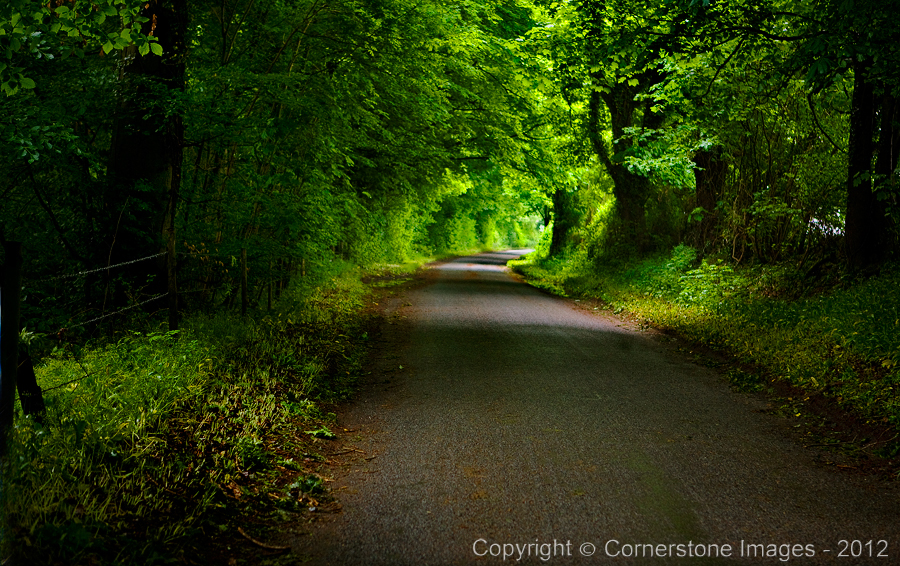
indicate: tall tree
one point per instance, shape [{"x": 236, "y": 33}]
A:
[
  {"x": 826, "y": 39},
  {"x": 623, "y": 67},
  {"x": 147, "y": 147}
]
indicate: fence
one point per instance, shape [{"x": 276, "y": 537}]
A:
[{"x": 17, "y": 373}]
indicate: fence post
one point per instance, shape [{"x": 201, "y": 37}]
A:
[
  {"x": 10, "y": 292},
  {"x": 243, "y": 281}
]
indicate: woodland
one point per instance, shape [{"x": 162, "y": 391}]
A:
[{"x": 205, "y": 192}]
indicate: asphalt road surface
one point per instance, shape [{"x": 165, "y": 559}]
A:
[{"x": 522, "y": 425}]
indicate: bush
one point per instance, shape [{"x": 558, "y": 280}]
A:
[{"x": 145, "y": 436}]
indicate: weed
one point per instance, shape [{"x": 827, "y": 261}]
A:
[
  {"x": 154, "y": 435},
  {"x": 321, "y": 432}
]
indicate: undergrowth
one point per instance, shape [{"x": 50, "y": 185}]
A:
[
  {"x": 149, "y": 438},
  {"x": 836, "y": 337}
]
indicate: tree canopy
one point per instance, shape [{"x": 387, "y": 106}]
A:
[{"x": 369, "y": 131}]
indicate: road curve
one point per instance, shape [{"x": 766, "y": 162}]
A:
[{"x": 518, "y": 421}]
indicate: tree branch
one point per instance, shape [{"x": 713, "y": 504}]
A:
[
  {"x": 812, "y": 108},
  {"x": 53, "y": 219},
  {"x": 594, "y": 131},
  {"x": 722, "y": 66}
]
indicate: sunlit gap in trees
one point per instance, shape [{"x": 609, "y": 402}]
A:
[{"x": 495, "y": 261}]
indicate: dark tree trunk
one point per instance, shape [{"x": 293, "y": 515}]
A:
[
  {"x": 709, "y": 177},
  {"x": 147, "y": 148},
  {"x": 864, "y": 225},
  {"x": 631, "y": 190},
  {"x": 886, "y": 181},
  {"x": 563, "y": 220},
  {"x": 546, "y": 215},
  {"x": 30, "y": 394}
]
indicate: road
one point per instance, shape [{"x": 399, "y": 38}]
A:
[{"x": 504, "y": 416}]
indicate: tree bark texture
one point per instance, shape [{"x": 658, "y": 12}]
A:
[
  {"x": 563, "y": 220},
  {"x": 631, "y": 190},
  {"x": 146, "y": 155}
]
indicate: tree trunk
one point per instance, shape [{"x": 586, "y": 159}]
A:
[
  {"x": 886, "y": 181},
  {"x": 864, "y": 225},
  {"x": 563, "y": 220},
  {"x": 709, "y": 177},
  {"x": 145, "y": 161},
  {"x": 30, "y": 393},
  {"x": 631, "y": 190}
]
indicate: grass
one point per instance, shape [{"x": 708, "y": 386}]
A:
[
  {"x": 826, "y": 336},
  {"x": 156, "y": 441}
]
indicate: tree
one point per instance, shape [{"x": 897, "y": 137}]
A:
[
  {"x": 622, "y": 66},
  {"x": 33, "y": 32},
  {"x": 827, "y": 39},
  {"x": 147, "y": 147}
]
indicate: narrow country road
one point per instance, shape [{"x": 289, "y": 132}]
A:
[{"x": 517, "y": 419}]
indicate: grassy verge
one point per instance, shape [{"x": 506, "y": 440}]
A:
[
  {"x": 826, "y": 337},
  {"x": 156, "y": 442}
]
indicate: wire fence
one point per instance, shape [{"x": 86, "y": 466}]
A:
[
  {"x": 186, "y": 254},
  {"x": 79, "y": 274},
  {"x": 128, "y": 308},
  {"x": 56, "y": 305},
  {"x": 99, "y": 269}
]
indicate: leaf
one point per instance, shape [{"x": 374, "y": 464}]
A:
[
  {"x": 28, "y": 83},
  {"x": 632, "y": 82},
  {"x": 156, "y": 49},
  {"x": 144, "y": 49},
  {"x": 321, "y": 432}
]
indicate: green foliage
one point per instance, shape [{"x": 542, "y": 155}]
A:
[
  {"x": 737, "y": 109},
  {"x": 707, "y": 286},
  {"x": 302, "y": 148},
  {"x": 34, "y": 33},
  {"x": 144, "y": 435},
  {"x": 323, "y": 137},
  {"x": 321, "y": 432}
]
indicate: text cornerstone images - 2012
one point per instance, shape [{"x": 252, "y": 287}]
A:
[{"x": 613, "y": 548}]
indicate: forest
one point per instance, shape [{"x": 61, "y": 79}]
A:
[{"x": 197, "y": 198}]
